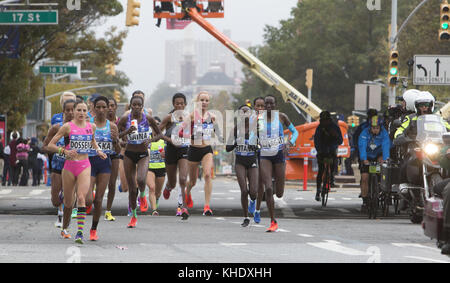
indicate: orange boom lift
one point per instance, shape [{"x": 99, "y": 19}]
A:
[{"x": 197, "y": 11}]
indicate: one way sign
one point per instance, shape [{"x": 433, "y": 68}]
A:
[{"x": 431, "y": 70}]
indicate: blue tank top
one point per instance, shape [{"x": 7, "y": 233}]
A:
[
  {"x": 144, "y": 131},
  {"x": 273, "y": 139},
  {"x": 103, "y": 139},
  {"x": 60, "y": 143}
]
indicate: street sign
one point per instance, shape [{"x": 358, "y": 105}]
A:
[
  {"x": 29, "y": 17},
  {"x": 431, "y": 70},
  {"x": 58, "y": 69},
  {"x": 367, "y": 96}
]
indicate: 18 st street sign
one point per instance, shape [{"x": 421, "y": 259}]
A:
[
  {"x": 431, "y": 70},
  {"x": 58, "y": 69},
  {"x": 29, "y": 17}
]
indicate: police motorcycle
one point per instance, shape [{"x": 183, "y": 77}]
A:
[
  {"x": 433, "y": 222},
  {"x": 426, "y": 147}
]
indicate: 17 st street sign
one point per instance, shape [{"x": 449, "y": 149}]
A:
[
  {"x": 431, "y": 70},
  {"x": 29, "y": 17}
]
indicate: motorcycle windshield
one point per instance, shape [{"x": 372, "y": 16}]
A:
[{"x": 430, "y": 128}]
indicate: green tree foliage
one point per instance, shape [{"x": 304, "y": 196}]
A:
[
  {"x": 20, "y": 87},
  {"x": 345, "y": 44}
]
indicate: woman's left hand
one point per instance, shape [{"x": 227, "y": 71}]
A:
[{"x": 101, "y": 154}]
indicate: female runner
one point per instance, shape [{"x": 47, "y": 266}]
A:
[
  {"x": 200, "y": 150},
  {"x": 246, "y": 165},
  {"x": 58, "y": 160},
  {"x": 107, "y": 138},
  {"x": 136, "y": 152},
  {"x": 115, "y": 160},
  {"x": 260, "y": 106},
  {"x": 273, "y": 150},
  {"x": 176, "y": 153},
  {"x": 79, "y": 139},
  {"x": 156, "y": 172}
]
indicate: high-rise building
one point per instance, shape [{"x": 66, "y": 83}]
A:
[{"x": 204, "y": 54}]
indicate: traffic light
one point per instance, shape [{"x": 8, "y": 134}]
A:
[
  {"x": 110, "y": 70},
  {"x": 393, "y": 76},
  {"x": 117, "y": 95},
  {"x": 133, "y": 13},
  {"x": 444, "y": 33},
  {"x": 309, "y": 78},
  {"x": 353, "y": 121}
]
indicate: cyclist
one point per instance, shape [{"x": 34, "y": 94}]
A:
[
  {"x": 374, "y": 145},
  {"x": 327, "y": 138}
]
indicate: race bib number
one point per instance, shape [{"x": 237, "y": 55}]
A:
[
  {"x": 139, "y": 138},
  {"x": 155, "y": 157}
]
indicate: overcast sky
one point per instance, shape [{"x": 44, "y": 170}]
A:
[{"x": 143, "y": 51}]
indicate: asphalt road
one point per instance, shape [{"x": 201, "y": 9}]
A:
[{"x": 308, "y": 232}]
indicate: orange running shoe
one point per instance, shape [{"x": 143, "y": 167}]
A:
[
  {"x": 207, "y": 211},
  {"x": 273, "y": 227},
  {"x": 93, "y": 235},
  {"x": 189, "y": 202},
  {"x": 65, "y": 234},
  {"x": 132, "y": 223},
  {"x": 144, "y": 204}
]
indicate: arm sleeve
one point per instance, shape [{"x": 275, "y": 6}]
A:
[
  {"x": 362, "y": 145},
  {"x": 402, "y": 128},
  {"x": 386, "y": 145},
  {"x": 294, "y": 133}
]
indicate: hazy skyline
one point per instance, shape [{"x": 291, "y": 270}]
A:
[{"x": 143, "y": 51}]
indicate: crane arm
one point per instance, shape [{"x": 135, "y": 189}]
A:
[{"x": 288, "y": 92}]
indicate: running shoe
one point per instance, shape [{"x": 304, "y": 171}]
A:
[
  {"x": 155, "y": 213},
  {"x": 93, "y": 235},
  {"x": 132, "y": 223},
  {"x": 58, "y": 223},
  {"x": 89, "y": 209},
  {"x": 79, "y": 238},
  {"x": 318, "y": 195},
  {"x": 189, "y": 201},
  {"x": 246, "y": 222},
  {"x": 144, "y": 204},
  {"x": 120, "y": 188},
  {"x": 109, "y": 217},
  {"x": 74, "y": 213},
  {"x": 273, "y": 227},
  {"x": 65, "y": 234},
  {"x": 207, "y": 211},
  {"x": 257, "y": 217},
  {"x": 130, "y": 213},
  {"x": 166, "y": 193},
  {"x": 179, "y": 211},
  {"x": 252, "y": 207},
  {"x": 184, "y": 214}
]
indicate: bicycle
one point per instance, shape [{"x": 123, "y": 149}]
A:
[
  {"x": 374, "y": 182},
  {"x": 326, "y": 181}
]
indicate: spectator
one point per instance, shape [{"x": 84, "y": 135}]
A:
[
  {"x": 1, "y": 153},
  {"x": 22, "y": 159},
  {"x": 33, "y": 161},
  {"x": 7, "y": 173},
  {"x": 12, "y": 158},
  {"x": 41, "y": 160}
]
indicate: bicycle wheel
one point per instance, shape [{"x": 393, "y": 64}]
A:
[
  {"x": 387, "y": 197},
  {"x": 374, "y": 191}
]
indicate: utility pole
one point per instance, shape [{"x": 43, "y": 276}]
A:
[{"x": 393, "y": 46}]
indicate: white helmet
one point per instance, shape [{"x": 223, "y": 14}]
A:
[
  {"x": 424, "y": 97},
  {"x": 409, "y": 97}
]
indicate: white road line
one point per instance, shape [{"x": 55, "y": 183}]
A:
[
  {"x": 428, "y": 259},
  {"x": 218, "y": 193},
  {"x": 335, "y": 246},
  {"x": 220, "y": 218},
  {"x": 5, "y": 192},
  {"x": 331, "y": 198},
  {"x": 299, "y": 198},
  {"x": 305, "y": 235},
  {"x": 258, "y": 226},
  {"x": 234, "y": 191},
  {"x": 404, "y": 245},
  {"x": 343, "y": 210},
  {"x": 232, "y": 244},
  {"x": 283, "y": 230},
  {"x": 36, "y": 192},
  {"x": 230, "y": 198},
  {"x": 347, "y": 198}
]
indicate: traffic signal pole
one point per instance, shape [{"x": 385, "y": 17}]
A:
[{"x": 393, "y": 46}]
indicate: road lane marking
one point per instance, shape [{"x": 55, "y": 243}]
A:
[
  {"x": 305, "y": 235},
  {"x": 36, "y": 192},
  {"x": 347, "y": 198},
  {"x": 404, "y": 245},
  {"x": 232, "y": 244},
  {"x": 344, "y": 210},
  {"x": 335, "y": 246},
  {"x": 427, "y": 259},
  {"x": 5, "y": 192},
  {"x": 234, "y": 191}
]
